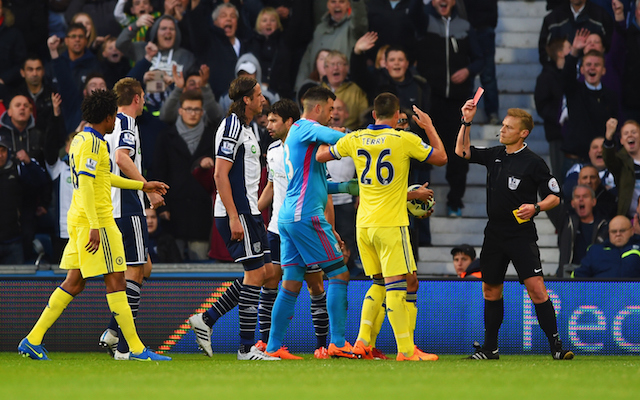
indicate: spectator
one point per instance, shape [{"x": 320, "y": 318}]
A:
[
  {"x": 549, "y": 97},
  {"x": 94, "y": 42},
  {"x": 75, "y": 59},
  {"x": 339, "y": 30},
  {"x": 178, "y": 149},
  {"x": 33, "y": 87},
  {"x": 248, "y": 65},
  {"x": 137, "y": 16},
  {"x": 162, "y": 246},
  {"x": 483, "y": 17},
  {"x": 101, "y": 11},
  {"x": 30, "y": 18},
  {"x": 12, "y": 52},
  {"x": 165, "y": 38},
  {"x": 465, "y": 262},
  {"x": 448, "y": 56},
  {"x": 217, "y": 45},
  {"x": 624, "y": 164},
  {"x": 607, "y": 202},
  {"x": 617, "y": 257},
  {"x": 18, "y": 180},
  {"x": 113, "y": 63},
  {"x": 595, "y": 160},
  {"x": 316, "y": 76},
  {"x": 337, "y": 68},
  {"x": 630, "y": 76},
  {"x": 18, "y": 129},
  {"x": 269, "y": 46},
  {"x": 395, "y": 77},
  {"x": 581, "y": 228},
  {"x": 391, "y": 20},
  {"x": 567, "y": 19},
  {"x": 589, "y": 104},
  {"x": 197, "y": 80}
]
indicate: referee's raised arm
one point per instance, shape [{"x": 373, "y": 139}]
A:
[{"x": 463, "y": 141}]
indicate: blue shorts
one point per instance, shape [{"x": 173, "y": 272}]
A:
[
  {"x": 274, "y": 242},
  {"x": 308, "y": 242},
  {"x": 253, "y": 251},
  {"x": 135, "y": 238}
]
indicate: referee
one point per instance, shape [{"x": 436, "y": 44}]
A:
[{"x": 514, "y": 177}]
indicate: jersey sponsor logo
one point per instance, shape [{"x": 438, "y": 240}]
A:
[
  {"x": 91, "y": 164},
  {"x": 128, "y": 138},
  {"x": 553, "y": 185},
  {"x": 226, "y": 147},
  {"x": 253, "y": 148},
  {"x": 514, "y": 182}
]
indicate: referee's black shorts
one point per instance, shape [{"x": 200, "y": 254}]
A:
[{"x": 498, "y": 249}]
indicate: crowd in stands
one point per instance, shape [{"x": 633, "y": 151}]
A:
[{"x": 427, "y": 52}]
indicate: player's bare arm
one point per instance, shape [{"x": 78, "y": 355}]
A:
[
  {"x": 323, "y": 154},
  {"x": 126, "y": 165},
  {"x": 266, "y": 197},
  {"x": 439, "y": 155}
]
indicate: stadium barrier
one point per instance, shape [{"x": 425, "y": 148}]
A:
[{"x": 594, "y": 317}]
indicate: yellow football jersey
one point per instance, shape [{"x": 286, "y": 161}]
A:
[
  {"x": 89, "y": 155},
  {"x": 382, "y": 157}
]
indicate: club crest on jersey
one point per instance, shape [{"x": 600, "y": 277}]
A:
[
  {"x": 253, "y": 148},
  {"x": 128, "y": 138},
  {"x": 91, "y": 164},
  {"x": 553, "y": 185},
  {"x": 514, "y": 182},
  {"x": 226, "y": 147},
  {"x": 257, "y": 247},
  {"x": 119, "y": 260}
]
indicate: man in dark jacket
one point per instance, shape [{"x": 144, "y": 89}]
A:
[
  {"x": 34, "y": 88},
  {"x": 18, "y": 180},
  {"x": 216, "y": 45},
  {"x": 618, "y": 257},
  {"x": 580, "y": 229},
  {"x": 179, "y": 149},
  {"x": 566, "y": 19},
  {"x": 448, "y": 56},
  {"x": 12, "y": 52},
  {"x": 18, "y": 128}
]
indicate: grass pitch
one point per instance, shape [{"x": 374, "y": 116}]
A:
[{"x": 96, "y": 376}]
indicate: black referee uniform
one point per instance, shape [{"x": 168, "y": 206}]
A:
[{"x": 512, "y": 180}]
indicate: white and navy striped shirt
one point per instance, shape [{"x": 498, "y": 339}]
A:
[
  {"x": 238, "y": 144},
  {"x": 277, "y": 175},
  {"x": 125, "y": 136}
]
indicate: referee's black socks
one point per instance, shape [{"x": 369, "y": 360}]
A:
[
  {"x": 547, "y": 320},
  {"x": 493, "y": 316}
]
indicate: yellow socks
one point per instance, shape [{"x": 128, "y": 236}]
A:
[
  {"x": 371, "y": 307},
  {"x": 399, "y": 316},
  {"x": 122, "y": 312},
  {"x": 57, "y": 303},
  {"x": 412, "y": 306}
]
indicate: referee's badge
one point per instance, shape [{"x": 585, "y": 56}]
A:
[
  {"x": 554, "y": 186},
  {"x": 514, "y": 182}
]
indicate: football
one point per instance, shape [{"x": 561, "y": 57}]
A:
[{"x": 418, "y": 208}]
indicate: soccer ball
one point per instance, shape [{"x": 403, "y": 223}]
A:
[{"x": 419, "y": 208}]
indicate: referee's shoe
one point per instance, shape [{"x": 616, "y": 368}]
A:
[
  {"x": 483, "y": 354},
  {"x": 558, "y": 353}
]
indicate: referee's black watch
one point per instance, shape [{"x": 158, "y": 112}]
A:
[
  {"x": 465, "y": 123},
  {"x": 537, "y": 208}
]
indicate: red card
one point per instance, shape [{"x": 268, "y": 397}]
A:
[{"x": 477, "y": 96}]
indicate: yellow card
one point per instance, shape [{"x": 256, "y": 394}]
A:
[{"x": 520, "y": 220}]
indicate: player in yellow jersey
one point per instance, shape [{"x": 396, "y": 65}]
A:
[
  {"x": 95, "y": 243},
  {"x": 382, "y": 157}
]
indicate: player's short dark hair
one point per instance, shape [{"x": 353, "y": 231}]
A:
[
  {"x": 594, "y": 53},
  {"x": 526, "y": 120},
  {"x": 554, "y": 46},
  {"x": 385, "y": 105},
  {"x": 316, "y": 95},
  {"x": 395, "y": 48},
  {"x": 75, "y": 26},
  {"x": 31, "y": 57},
  {"x": 99, "y": 105},
  {"x": 286, "y": 108},
  {"x": 126, "y": 89},
  {"x": 194, "y": 95}
]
